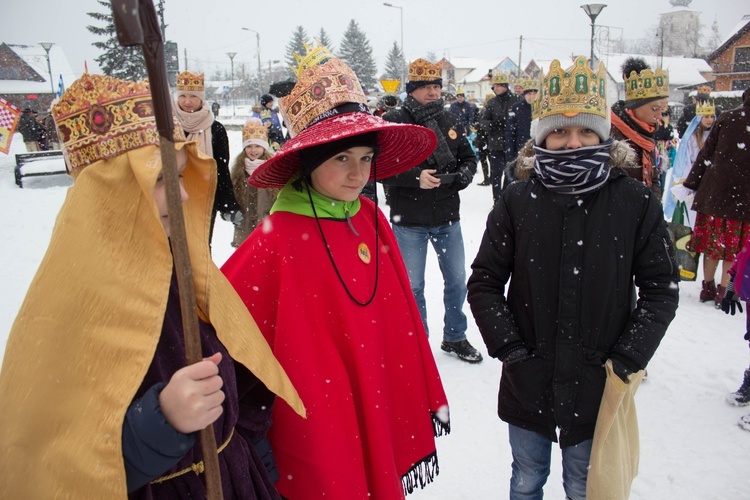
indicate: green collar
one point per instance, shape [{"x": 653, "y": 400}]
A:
[{"x": 291, "y": 200}]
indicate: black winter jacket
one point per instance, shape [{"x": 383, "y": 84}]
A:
[
  {"x": 517, "y": 129},
  {"x": 224, "y": 201},
  {"x": 413, "y": 206},
  {"x": 572, "y": 262},
  {"x": 494, "y": 118}
]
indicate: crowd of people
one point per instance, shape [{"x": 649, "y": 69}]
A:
[{"x": 322, "y": 302}]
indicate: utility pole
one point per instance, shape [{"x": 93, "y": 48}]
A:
[
  {"x": 520, "y": 45},
  {"x": 186, "y": 62}
]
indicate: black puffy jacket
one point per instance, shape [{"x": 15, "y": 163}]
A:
[
  {"x": 572, "y": 262},
  {"x": 413, "y": 206}
]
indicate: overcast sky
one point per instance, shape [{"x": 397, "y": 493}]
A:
[{"x": 208, "y": 29}]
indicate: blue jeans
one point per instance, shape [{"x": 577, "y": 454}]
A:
[
  {"x": 531, "y": 465},
  {"x": 449, "y": 247}
]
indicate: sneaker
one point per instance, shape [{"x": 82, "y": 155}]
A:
[
  {"x": 738, "y": 398},
  {"x": 463, "y": 349},
  {"x": 744, "y": 422}
]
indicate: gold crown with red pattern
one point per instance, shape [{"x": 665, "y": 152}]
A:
[
  {"x": 192, "y": 82},
  {"x": 100, "y": 117},
  {"x": 323, "y": 82},
  {"x": 422, "y": 70},
  {"x": 578, "y": 89},
  {"x": 647, "y": 84},
  {"x": 254, "y": 129}
]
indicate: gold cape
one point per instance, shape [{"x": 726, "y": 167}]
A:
[{"x": 88, "y": 328}]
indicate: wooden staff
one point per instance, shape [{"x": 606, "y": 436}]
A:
[{"x": 136, "y": 24}]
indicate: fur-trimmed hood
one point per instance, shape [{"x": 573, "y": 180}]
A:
[{"x": 621, "y": 156}]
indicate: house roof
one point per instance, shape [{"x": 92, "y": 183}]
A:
[
  {"x": 36, "y": 58},
  {"x": 682, "y": 70},
  {"x": 742, "y": 27}
]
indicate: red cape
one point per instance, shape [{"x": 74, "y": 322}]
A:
[{"x": 366, "y": 374}]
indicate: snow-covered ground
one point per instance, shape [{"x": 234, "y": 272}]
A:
[{"x": 691, "y": 447}]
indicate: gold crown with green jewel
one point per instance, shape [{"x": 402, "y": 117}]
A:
[
  {"x": 323, "y": 82},
  {"x": 578, "y": 89},
  {"x": 647, "y": 84}
]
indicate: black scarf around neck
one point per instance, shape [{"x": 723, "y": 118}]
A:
[
  {"x": 427, "y": 115},
  {"x": 573, "y": 171}
]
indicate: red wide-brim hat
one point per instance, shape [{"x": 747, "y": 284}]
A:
[{"x": 402, "y": 146}]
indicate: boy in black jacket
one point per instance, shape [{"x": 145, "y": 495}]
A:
[{"x": 572, "y": 238}]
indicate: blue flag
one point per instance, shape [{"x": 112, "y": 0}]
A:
[{"x": 60, "y": 87}]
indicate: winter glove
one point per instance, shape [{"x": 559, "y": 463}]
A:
[
  {"x": 463, "y": 179},
  {"x": 234, "y": 217},
  {"x": 731, "y": 301},
  {"x": 620, "y": 369},
  {"x": 515, "y": 355}
]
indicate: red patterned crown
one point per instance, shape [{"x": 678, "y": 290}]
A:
[
  {"x": 422, "y": 70},
  {"x": 254, "y": 129},
  {"x": 100, "y": 117},
  {"x": 323, "y": 82},
  {"x": 192, "y": 82}
]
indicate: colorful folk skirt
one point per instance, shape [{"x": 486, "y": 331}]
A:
[{"x": 717, "y": 238}]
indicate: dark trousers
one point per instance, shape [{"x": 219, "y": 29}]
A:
[{"x": 497, "y": 168}]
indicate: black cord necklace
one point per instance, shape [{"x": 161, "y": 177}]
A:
[{"x": 330, "y": 255}]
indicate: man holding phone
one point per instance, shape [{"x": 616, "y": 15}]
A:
[{"x": 425, "y": 203}]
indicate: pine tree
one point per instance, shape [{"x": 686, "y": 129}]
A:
[
  {"x": 325, "y": 40},
  {"x": 357, "y": 53},
  {"x": 296, "y": 46},
  {"x": 125, "y": 63},
  {"x": 395, "y": 65}
]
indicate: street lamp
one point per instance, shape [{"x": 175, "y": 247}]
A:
[
  {"x": 231, "y": 59},
  {"x": 47, "y": 46},
  {"x": 260, "y": 77},
  {"x": 403, "y": 54},
  {"x": 593, "y": 10}
]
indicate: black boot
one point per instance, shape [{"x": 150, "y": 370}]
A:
[{"x": 742, "y": 396}]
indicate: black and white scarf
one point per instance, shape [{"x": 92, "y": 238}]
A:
[
  {"x": 427, "y": 115},
  {"x": 573, "y": 171}
]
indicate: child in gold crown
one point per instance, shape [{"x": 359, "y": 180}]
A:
[
  {"x": 96, "y": 400},
  {"x": 572, "y": 235},
  {"x": 255, "y": 203},
  {"x": 324, "y": 279}
]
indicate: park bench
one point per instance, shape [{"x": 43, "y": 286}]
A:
[{"x": 39, "y": 163}]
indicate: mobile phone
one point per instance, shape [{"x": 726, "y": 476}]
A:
[{"x": 446, "y": 179}]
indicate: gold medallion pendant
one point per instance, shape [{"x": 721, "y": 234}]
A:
[
  {"x": 452, "y": 134},
  {"x": 364, "y": 253}
]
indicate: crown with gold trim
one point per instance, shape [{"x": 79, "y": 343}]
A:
[
  {"x": 529, "y": 83},
  {"x": 192, "y": 82},
  {"x": 323, "y": 82},
  {"x": 705, "y": 108},
  {"x": 100, "y": 117},
  {"x": 704, "y": 89},
  {"x": 422, "y": 70},
  {"x": 254, "y": 129},
  {"x": 577, "y": 89},
  {"x": 647, "y": 84},
  {"x": 500, "y": 78}
]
